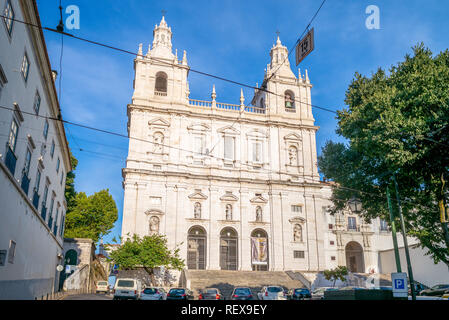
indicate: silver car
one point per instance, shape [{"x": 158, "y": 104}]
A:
[
  {"x": 272, "y": 293},
  {"x": 153, "y": 293}
]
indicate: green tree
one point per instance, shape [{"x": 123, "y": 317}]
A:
[
  {"x": 339, "y": 273},
  {"x": 149, "y": 252},
  {"x": 70, "y": 193},
  {"x": 91, "y": 217},
  {"x": 397, "y": 123}
]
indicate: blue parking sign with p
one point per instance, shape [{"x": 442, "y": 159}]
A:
[{"x": 399, "y": 284}]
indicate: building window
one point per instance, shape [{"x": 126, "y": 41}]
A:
[
  {"x": 46, "y": 126},
  {"x": 229, "y": 147},
  {"x": 25, "y": 70},
  {"x": 37, "y": 103},
  {"x": 38, "y": 181},
  {"x": 11, "y": 251},
  {"x": 161, "y": 84},
  {"x": 3, "y": 80},
  {"x": 257, "y": 151},
  {"x": 9, "y": 16},
  {"x": 352, "y": 223},
  {"x": 331, "y": 226},
  {"x": 26, "y": 168},
  {"x": 62, "y": 224},
  {"x": 333, "y": 258},
  {"x": 332, "y": 243},
  {"x": 52, "y": 150},
  {"x": 296, "y": 209},
  {"x": 383, "y": 225},
  {"x": 198, "y": 145},
  {"x": 62, "y": 178},
  {"x": 298, "y": 254},
  {"x": 58, "y": 164},
  {"x": 156, "y": 201},
  {"x": 13, "y": 134}
]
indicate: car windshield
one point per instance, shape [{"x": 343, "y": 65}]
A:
[
  {"x": 176, "y": 291},
  {"x": 102, "y": 283},
  {"x": 125, "y": 283},
  {"x": 211, "y": 291},
  {"x": 242, "y": 291},
  {"x": 150, "y": 291},
  {"x": 441, "y": 286},
  {"x": 274, "y": 289},
  {"x": 302, "y": 291}
]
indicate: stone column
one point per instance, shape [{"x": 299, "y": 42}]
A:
[
  {"x": 213, "y": 239},
  {"x": 129, "y": 208},
  {"x": 309, "y": 208},
  {"x": 245, "y": 232}
]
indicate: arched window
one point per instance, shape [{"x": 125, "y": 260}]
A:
[
  {"x": 289, "y": 100},
  {"x": 196, "y": 248},
  {"x": 161, "y": 82}
]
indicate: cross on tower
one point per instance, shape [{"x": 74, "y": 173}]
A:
[
  {"x": 278, "y": 33},
  {"x": 163, "y": 12}
]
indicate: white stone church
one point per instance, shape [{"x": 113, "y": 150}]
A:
[{"x": 235, "y": 186}]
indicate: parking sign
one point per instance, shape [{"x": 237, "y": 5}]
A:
[{"x": 400, "y": 284}]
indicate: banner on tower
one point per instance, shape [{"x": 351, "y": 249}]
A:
[{"x": 305, "y": 46}]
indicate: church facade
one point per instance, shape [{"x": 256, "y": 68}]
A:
[{"x": 235, "y": 186}]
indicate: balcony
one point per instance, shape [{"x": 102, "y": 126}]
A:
[
  {"x": 44, "y": 211},
  {"x": 225, "y": 106},
  {"x": 10, "y": 160},
  {"x": 353, "y": 228},
  {"x": 160, "y": 93},
  {"x": 25, "y": 183},
  {"x": 35, "y": 199}
]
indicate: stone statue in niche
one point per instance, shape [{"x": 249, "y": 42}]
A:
[
  {"x": 259, "y": 214},
  {"x": 154, "y": 225},
  {"x": 197, "y": 211},
  {"x": 158, "y": 141},
  {"x": 293, "y": 156},
  {"x": 228, "y": 212},
  {"x": 297, "y": 233}
]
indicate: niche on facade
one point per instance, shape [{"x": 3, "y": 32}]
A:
[
  {"x": 228, "y": 200},
  {"x": 293, "y": 153},
  {"x": 158, "y": 137},
  {"x": 297, "y": 227},
  {"x": 258, "y": 203},
  {"x": 197, "y": 198}
]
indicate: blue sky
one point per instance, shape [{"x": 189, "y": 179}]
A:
[{"x": 231, "y": 39}]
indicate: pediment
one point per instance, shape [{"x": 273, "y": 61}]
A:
[
  {"x": 258, "y": 199},
  {"x": 257, "y": 133},
  {"x": 297, "y": 219},
  {"x": 159, "y": 122},
  {"x": 199, "y": 127},
  {"x": 229, "y": 197},
  {"x": 293, "y": 136},
  {"x": 198, "y": 196},
  {"x": 151, "y": 212},
  {"x": 229, "y": 130}
]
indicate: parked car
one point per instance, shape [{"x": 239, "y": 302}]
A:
[
  {"x": 180, "y": 294},
  {"x": 418, "y": 288},
  {"x": 446, "y": 294},
  {"x": 242, "y": 293},
  {"x": 210, "y": 294},
  {"x": 437, "y": 290},
  {"x": 127, "y": 289},
  {"x": 153, "y": 293},
  {"x": 102, "y": 287},
  {"x": 318, "y": 293},
  {"x": 272, "y": 293},
  {"x": 299, "y": 294}
]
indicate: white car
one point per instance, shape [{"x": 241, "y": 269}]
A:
[
  {"x": 127, "y": 289},
  {"x": 102, "y": 286},
  {"x": 153, "y": 293},
  {"x": 272, "y": 293}
]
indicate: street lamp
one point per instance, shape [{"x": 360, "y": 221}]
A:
[{"x": 355, "y": 205}]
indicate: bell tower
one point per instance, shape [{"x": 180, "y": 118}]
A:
[
  {"x": 159, "y": 76},
  {"x": 292, "y": 97}
]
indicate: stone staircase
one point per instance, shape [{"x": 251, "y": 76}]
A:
[{"x": 225, "y": 280}]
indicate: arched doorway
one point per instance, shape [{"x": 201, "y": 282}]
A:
[
  {"x": 259, "y": 250},
  {"x": 354, "y": 257},
  {"x": 71, "y": 258},
  {"x": 228, "y": 249},
  {"x": 196, "y": 248}
]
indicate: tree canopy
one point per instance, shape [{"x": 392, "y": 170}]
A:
[
  {"x": 148, "y": 252},
  {"x": 397, "y": 123},
  {"x": 339, "y": 273}
]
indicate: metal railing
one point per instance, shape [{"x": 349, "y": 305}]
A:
[
  {"x": 160, "y": 93},
  {"x": 225, "y": 106}
]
